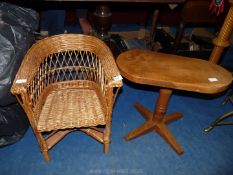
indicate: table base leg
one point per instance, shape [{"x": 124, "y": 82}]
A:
[{"x": 157, "y": 121}]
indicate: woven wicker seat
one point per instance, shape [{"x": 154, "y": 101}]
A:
[
  {"x": 82, "y": 109},
  {"x": 66, "y": 83}
]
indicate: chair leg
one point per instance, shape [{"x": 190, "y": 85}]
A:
[
  {"x": 46, "y": 155},
  {"x": 106, "y": 147},
  {"x": 107, "y": 138},
  {"x": 43, "y": 145}
]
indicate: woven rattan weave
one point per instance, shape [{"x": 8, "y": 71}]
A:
[{"x": 67, "y": 82}]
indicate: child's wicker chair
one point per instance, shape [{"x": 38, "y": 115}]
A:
[{"x": 66, "y": 82}]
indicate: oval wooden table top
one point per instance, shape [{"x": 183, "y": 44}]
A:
[{"x": 172, "y": 71}]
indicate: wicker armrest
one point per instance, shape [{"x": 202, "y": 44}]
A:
[
  {"x": 24, "y": 75},
  {"x": 116, "y": 81},
  {"x": 112, "y": 72},
  {"x": 27, "y": 70},
  {"x": 21, "y": 81},
  {"x": 19, "y": 86}
]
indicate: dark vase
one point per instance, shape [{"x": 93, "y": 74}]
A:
[{"x": 102, "y": 21}]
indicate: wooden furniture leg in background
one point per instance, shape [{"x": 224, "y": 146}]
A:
[
  {"x": 157, "y": 121},
  {"x": 153, "y": 29},
  {"x": 223, "y": 39}
]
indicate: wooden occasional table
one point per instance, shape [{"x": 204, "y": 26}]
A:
[{"x": 169, "y": 72}]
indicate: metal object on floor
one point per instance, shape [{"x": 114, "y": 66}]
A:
[
  {"x": 218, "y": 121},
  {"x": 221, "y": 118}
]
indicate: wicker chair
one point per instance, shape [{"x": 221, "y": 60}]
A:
[{"x": 68, "y": 82}]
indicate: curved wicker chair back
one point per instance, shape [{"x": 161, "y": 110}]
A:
[{"x": 66, "y": 82}]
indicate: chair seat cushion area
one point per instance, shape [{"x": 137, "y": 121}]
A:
[{"x": 71, "y": 108}]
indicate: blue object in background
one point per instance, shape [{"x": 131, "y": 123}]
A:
[{"x": 53, "y": 21}]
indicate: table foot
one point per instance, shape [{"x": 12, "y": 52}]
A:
[
  {"x": 164, "y": 132},
  {"x": 159, "y": 128},
  {"x": 172, "y": 117},
  {"x": 141, "y": 130},
  {"x": 156, "y": 124},
  {"x": 147, "y": 114}
]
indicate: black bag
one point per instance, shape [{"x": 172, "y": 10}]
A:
[
  {"x": 17, "y": 26},
  {"x": 13, "y": 124}
]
